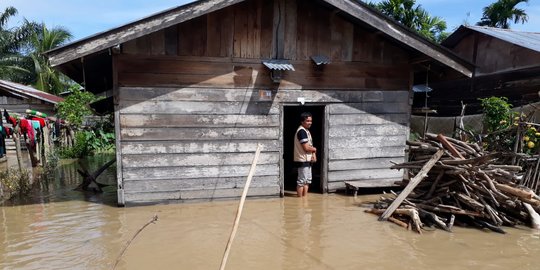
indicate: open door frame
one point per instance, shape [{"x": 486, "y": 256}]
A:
[{"x": 324, "y": 141}]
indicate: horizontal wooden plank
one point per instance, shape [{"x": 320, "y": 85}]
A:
[
  {"x": 216, "y": 65},
  {"x": 172, "y": 120},
  {"x": 185, "y": 94},
  {"x": 368, "y": 130},
  {"x": 188, "y": 107},
  {"x": 367, "y": 163},
  {"x": 340, "y": 96},
  {"x": 179, "y": 147},
  {"x": 198, "y": 172},
  {"x": 367, "y": 141},
  {"x": 368, "y": 152},
  {"x": 366, "y": 174},
  {"x": 385, "y": 96},
  {"x": 155, "y": 197},
  {"x": 213, "y": 159},
  {"x": 244, "y": 94},
  {"x": 290, "y": 80},
  {"x": 373, "y": 108},
  {"x": 172, "y": 134},
  {"x": 368, "y": 119},
  {"x": 371, "y": 183},
  {"x": 157, "y": 185}
]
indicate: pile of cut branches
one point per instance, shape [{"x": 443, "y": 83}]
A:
[{"x": 454, "y": 182}]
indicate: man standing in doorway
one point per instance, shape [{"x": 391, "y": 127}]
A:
[{"x": 304, "y": 154}]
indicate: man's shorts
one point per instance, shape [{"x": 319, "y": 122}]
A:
[{"x": 304, "y": 176}]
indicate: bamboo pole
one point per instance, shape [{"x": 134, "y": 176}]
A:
[{"x": 240, "y": 208}]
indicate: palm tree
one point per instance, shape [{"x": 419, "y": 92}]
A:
[
  {"x": 46, "y": 78},
  {"x": 416, "y": 18},
  {"x": 501, "y": 12},
  {"x": 13, "y": 64}
]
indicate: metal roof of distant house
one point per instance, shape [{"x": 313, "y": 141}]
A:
[
  {"x": 162, "y": 20},
  {"x": 529, "y": 40},
  {"x": 26, "y": 91}
]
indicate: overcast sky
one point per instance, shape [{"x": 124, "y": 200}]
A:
[{"x": 87, "y": 17}]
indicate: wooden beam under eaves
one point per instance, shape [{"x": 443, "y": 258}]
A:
[{"x": 135, "y": 30}]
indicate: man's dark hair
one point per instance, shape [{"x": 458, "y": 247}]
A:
[{"x": 305, "y": 116}]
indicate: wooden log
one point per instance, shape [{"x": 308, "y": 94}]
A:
[
  {"x": 472, "y": 161},
  {"x": 434, "y": 185},
  {"x": 391, "y": 219},
  {"x": 415, "y": 217},
  {"x": 466, "y": 199},
  {"x": 449, "y": 209},
  {"x": 441, "y": 138},
  {"x": 412, "y": 184},
  {"x": 513, "y": 168},
  {"x": 535, "y": 218},
  {"x": 523, "y": 194},
  {"x": 399, "y": 222},
  {"x": 450, "y": 224},
  {"x": 434, "y": 219},
  {"x": 492, "y": 214}
]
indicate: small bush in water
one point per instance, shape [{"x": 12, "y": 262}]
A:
[{"x": 15, "y": 181}]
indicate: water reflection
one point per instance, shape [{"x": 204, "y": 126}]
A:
[{"x": 65, "y": 229}]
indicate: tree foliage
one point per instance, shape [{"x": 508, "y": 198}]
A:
[
  {"x": 414, "y": 17},
  {"x": 21, "y": 53},
  {"x": 74, "y": 108},
  {"x": 502, "y": 12},
  {"x": 46, "y": 78},
  {"x": 14, "y": 64}
]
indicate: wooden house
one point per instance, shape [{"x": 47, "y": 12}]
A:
[
  {"x": 507, "y": 65},
  {"x": 18, "y": 98},
  {"x": 197, "y": 87}
]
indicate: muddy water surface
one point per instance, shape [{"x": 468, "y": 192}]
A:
[{"x": 65, "y": 229}]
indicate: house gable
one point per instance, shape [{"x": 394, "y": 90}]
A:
[
  {"x": 495, "y": 50},
  {"x": 166, "y": 19}
]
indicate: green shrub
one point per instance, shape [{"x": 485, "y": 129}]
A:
[
  {"x": 15, "y": 181},
  {"x": 78, "y": 150},
  {"x": 497, "y": 113}
]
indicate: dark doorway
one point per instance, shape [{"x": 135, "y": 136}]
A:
[{"x": 291, "y": 121}]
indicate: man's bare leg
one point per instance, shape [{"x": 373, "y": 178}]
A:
[
  {"x": 300, "y": 191},
  {"x": 305, "y": 192}
]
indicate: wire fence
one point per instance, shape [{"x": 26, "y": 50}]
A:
[{"x": 449, "y": 125}]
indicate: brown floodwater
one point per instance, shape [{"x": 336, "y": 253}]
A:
[{"x": 64, "y": 229}]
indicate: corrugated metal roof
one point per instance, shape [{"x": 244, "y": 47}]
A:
[
  {"x": 321, "y": 59},
  {"x": 24, "y": 90},
  {"x": 530, "y": 40},
  {"x": 278, "y": 64}
]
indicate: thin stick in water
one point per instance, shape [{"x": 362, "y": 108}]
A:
[{"x": 153, "y": 220}]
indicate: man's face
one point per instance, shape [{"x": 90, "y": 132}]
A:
[{"x": 307, "y": 123}]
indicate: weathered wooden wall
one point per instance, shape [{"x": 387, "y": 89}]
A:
[
  {"x": 248, "y": 30},
  {"x": 495, "y": 55},
  {"x": 503, "y": 70},
  {"x": 186, "y": 143},
  {"x": 192, "y": 101}
]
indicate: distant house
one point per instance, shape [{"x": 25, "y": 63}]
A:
[
  {"x": 507, "y": 64},
  {"x": 18, "y": 98},
  {"x": 197, "y": 87}
]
